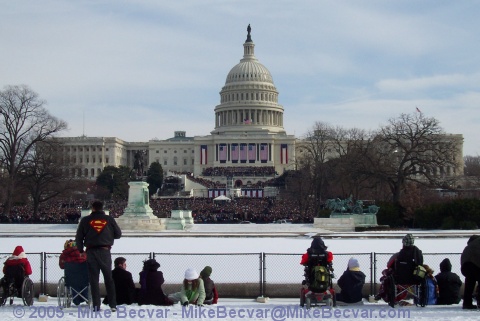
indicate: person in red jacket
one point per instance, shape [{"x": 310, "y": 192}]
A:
[
  {"x": 71, "y": 253},
  {"x": 317, "y": 245},
  {"x": 18, "y": 258}
]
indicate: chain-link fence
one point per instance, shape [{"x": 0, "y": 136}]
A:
[{"x": 235, "y": 274}]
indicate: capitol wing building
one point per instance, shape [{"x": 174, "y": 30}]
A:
[{"x": 247, "y": 146}]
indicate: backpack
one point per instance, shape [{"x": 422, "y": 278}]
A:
[
  {"x": 405, "y": 266},
  {"x": 320, "y": 279}
]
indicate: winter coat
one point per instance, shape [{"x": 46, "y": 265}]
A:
[
  {"x": 151, "y": 292},
  {"x": 97, "y": 230},
  {"x": 192, "y": 296},
  {"x": 316, "y": 245},
  {"x": 18, "y": 258},
  {"x": 124, "y": 286},
  {"x": 210, "y": 290},
  {"x": 448, "y": 283},
  {"x": 351, "y": 282},
  {"x": 71, "y": 254},
  {"x": 471, "y": 253}
]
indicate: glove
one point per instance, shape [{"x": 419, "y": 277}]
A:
[
  {"x": 199, "y": 305},
  {"x": 185, "y": 303}
]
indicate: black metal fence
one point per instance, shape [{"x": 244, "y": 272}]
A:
[{"x": 235, "y": 274}]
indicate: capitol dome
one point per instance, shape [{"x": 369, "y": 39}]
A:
[{"x": 249, "y": 99}]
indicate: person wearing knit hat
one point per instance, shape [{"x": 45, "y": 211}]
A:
[
  {"x": 192, "y": 291},
  {"x": 351, "y": 283},
  {"x": 408, "y": 240},
  {"x": 71, "y": 253},
  {"x": 18, "y": 257},
  {"x": 449, "y": 284},
  {"x": 211, "y": 294}
]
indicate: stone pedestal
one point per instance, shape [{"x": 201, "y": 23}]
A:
[
  {"x": 138, "y": 214},
  {"x": 345, "y": 224},
  {"x": 179, "y": 219},
  {"x": 363, "y": 220}
]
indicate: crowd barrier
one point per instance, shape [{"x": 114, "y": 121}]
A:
[{"x": 239, "y": 275}]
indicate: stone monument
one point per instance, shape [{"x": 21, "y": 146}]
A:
[
  {"x": 363, "y": 214},
  {"x": 138, "y": 214},
  {"x": 181, "y": 216}
]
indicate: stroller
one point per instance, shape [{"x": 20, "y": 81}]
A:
[
  {"x": 74, "y": 286},
  {"x": 317, "y": 288}
]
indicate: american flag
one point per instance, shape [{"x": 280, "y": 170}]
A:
[
  {"x": 234, "y": 153},
  {"x": 223, "y": 153},
  {"x": 243, "y": 152},
  {"x": 203, "y": 154},
  {"x": 251, "y": 153},
  {"x": 263, "y": 152},
  {"x": 247, "y": 121}
]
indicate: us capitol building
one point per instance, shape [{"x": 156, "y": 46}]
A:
[
  {"x": 248, "y": 133},
  {"x": 248, "y": 144}
]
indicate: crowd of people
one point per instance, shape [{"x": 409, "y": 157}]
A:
[{"x": 204, "y": 210}]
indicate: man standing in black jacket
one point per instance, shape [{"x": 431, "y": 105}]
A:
[{"x": 97, "y": 233}]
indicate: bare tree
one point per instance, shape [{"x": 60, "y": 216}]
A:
[
  {"x": 412, "y": 148},
  {"x": 24, "y": 122},
  {"x": 316, "y": 149},
  {"x": 44, "y": 174}
]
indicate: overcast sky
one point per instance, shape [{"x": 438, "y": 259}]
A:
[{"x": 142, "y": 69}]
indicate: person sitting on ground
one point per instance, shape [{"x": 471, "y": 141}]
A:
[
  {"x": 192, "y": 291},
  {"x": 351, "y": 283},
  {"x": 124, "y": 285},
  {"x": 449, "y": 284},
  {"x": 18, "y": 258},
  {"x": 70, "y": 253},
  {"x": 470, "y": 260},
  {"x": 211, "y": 294},
  {"x": 151, "y": 281}
]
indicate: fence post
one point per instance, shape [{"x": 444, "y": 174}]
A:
[
  {"x": 374, "y": 273},
  {"x": 262, "y": 274},
  {"x": 42, "y": 272}
]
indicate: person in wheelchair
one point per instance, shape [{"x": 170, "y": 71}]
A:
[
  {"x": 318, "y": 270},
  {"x": 71, "y": 253},
  {"x": 399, "y": 279},
  {"x": 74, "y": 265},
  {"x": 16, "y": 267},
  {"x": 16, "y": 282}
]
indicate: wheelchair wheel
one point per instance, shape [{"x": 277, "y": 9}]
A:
[
  {"x": 27, "y": 291},
  {"x": 308, "y": 303},
  {"x": 391, "y": 291},
  {"x": 62, "y": 296},
  {"x": 4, "y": 294}
]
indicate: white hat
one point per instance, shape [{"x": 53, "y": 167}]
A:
[{"x": 191, "y": 274}]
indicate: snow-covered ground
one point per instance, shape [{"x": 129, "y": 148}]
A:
[{"x": 284, "y": 240}]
